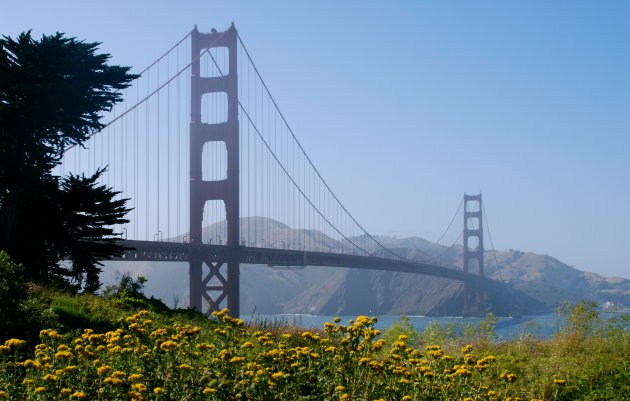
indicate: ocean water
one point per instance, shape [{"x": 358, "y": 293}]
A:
[{"x": 541, "y": 326}]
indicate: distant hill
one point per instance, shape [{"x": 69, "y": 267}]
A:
[
  {"x": 537, "y": 282},
  {"x": 553, "y": 282}
]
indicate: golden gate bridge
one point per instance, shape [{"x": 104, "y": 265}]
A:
[{"x": 201, "y": 148}]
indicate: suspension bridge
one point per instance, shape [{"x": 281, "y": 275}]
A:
[{"x": 200, "y": 148}]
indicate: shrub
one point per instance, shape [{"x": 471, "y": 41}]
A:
[
  {"x": 402, "y": 327},
  {"x": 22, "y": 314},
  {"x": 12, "y": 294},
  {"x": 128, "y": 293}
]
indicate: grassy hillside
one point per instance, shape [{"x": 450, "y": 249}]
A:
[{"x": 113, "y": 348}]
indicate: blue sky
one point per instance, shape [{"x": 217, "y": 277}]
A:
[{"x": 404, "y": 106}]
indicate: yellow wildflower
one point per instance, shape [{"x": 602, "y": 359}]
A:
[
  {"x": 278, "y": 375},
  {"x": 167, "y": 345},
  {"x": 205, "y": 346},
  {"x": 29, "y": 363},
  {"x": 462, "y": 372},
  {"x": 14, "y": 342},
  {"x": 49, "y": 377},
  {"x": 135, "y": 377},
  {"x": 63, "y": 355},
  {"x": 139, "y": 387},
  {"x": 51, "y": 334},
  {"x": 158, "y": 332},
  {"x": 113, "y": 380},
  {"x": 78, "y": 394},
  {"x": 378, "y": 345},
  {"x": 103, "y": 369},
  {"x": 118, "y": 374}
]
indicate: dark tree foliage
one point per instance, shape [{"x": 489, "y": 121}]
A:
[
  {"x": 89, "y": 210},
  {"x": 52, "y": 93}
]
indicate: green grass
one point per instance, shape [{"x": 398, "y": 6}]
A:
[{"x": 589, "y": 358}]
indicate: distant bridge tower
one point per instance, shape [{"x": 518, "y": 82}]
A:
[
  {"x": 227, "y": 189},
  {"x": 474, "y": 300}
]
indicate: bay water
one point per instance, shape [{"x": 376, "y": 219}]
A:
[{"x": 540, "y": 326}]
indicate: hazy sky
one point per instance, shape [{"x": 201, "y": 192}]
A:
[{"x": 404, "y": 106}]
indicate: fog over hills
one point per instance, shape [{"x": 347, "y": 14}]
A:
[{"x": 537, "y": 282}]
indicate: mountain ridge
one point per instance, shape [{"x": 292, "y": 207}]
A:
[{"x": 539, "y": 283}]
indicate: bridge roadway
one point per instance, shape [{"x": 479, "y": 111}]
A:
[{"x": 183, "y": 252}]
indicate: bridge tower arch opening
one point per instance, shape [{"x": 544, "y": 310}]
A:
[
  {"x": 474, "y": 298},
  {"x": 216, "y": 285}
]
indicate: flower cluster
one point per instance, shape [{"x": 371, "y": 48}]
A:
[{"x": 226, "y": 359}]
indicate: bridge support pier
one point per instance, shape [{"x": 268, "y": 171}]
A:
[
  {"x": 474, "y": 299},
  {"x": 227, "y": 189},
  {"x": 195, "y": 269},
  {"x": 216, "y": 286},
  {"x": 233, "y": 289}
]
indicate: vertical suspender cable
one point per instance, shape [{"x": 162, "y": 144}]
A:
[
  {"x": 157, "y": 161},
  {"x": 178, "y": 141},
  {"x": 135, "y": 171},
  {"x": 146, "y": 172},
  {"x": 125, "y": 140},
  {"x": 168, "y": 148},
  {"x": 251, "y": 234},
  {"x": 240, "y": 159}
]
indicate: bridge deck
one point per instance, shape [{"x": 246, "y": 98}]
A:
[{"x": 183, "y": 252}]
